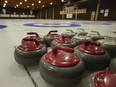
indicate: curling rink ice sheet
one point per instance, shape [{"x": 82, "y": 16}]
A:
[{"x": 15, "y": 75}]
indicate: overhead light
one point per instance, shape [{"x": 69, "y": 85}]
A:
[
  {"x": 25, "y": 0},
  {"x": 17, "y": 5},
  {"x": 6, "y": 1},
  {"x": 32, "y": 4},
  {"x": 62, "y": 0},
  {"x": 51, "y": 3},
  {"x": 20, "y": 3},
  {"x": 42, "y": 5},
  {"x": 39, "y": 1},
  {"x": 5, "y": 4}
]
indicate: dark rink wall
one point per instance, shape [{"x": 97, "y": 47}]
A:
[
  {"x": 17, "y": 13},
  {"x": 106, "y": 11},
  {"x": 52, "y": 12}
]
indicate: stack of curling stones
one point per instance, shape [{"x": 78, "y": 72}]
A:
[{"x": 68, "y": 61}]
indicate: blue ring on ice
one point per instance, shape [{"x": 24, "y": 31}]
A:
[
  {"x": 106, "y": 23},
  {"x": 98, "y": 23},
  {"x": 56, "y": 25},
  {"x": 2, "y": 26}
]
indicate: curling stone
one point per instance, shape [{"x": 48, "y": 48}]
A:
[
  {"x": 100, "y": 79},
  {"x": 109, "y": 44},
  {"x": 112, "y": 66},
  {"x": 102, "y": 40},
  {"x": 80, "y": 38},
  {"x": 34, "y": 35},
  {"x": 50, "y": 37},
  {"x": 61, "y": 67},
  {"x": 95, "y": 57},
  {"x": 95, "y": 36},
  {"x": 30, "y": 52},
  {"x": 69, "y": 34},
  {"x": 63, "y": 41},
  {"x": 81, "y": 32}
]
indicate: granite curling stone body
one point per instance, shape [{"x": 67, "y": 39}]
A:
[
  {"x": 112, "y": 66},
  {"x": 61, "y": 67},
  {"x": 109, "y": 44},
  {"x": 29, "y": 53},
  {"x": 95, "y": 57}
]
